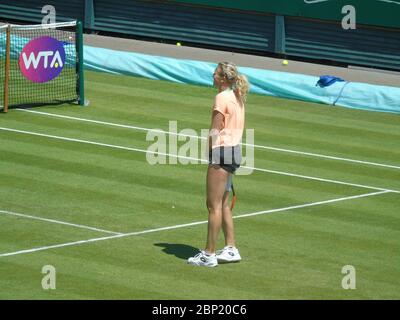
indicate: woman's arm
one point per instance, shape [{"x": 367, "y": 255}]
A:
[{"x": 217, "y": 124}]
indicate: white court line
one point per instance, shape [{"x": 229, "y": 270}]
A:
[
  {"x": 75, "y": 243},
  {"x": 56, "y": 221},
  {"x": 313, "y": 204},
  {"x": 191, "y": 158},
  {"x": 204, "y": 138},
  {"x": 320, "y": 179}
]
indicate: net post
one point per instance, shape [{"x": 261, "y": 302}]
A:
[
  {"x": 7, "y": 68},
  {"x": 79, "y": 48}
]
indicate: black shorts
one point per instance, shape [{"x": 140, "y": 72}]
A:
[{"x": 228, "y": 158}]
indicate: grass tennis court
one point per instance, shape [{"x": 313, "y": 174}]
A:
[{"x": 310, "y": 228}]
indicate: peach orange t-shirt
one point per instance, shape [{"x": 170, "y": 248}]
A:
[{"x": 233, "y": 111}]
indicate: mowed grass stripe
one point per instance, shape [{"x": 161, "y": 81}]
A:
[
  {"x": 144, "y": 150},
  {"x": 92, "y": 240},
  {"x": 38, "y": 218},
  {"x": 276, "y": 259},
  {"x": 306, "y": 163},
  {"x": 329, "y": 169},
  {"x": 134, "y": 105},
  {"x": 131, "y": 140},
  {"x": 272, "y": 106},
  {"x": 290, "y": 113},
  {"x": 168, "y": 156},
  {"x": 102, "y": 183},
  {"x": 167, "y": 111},
  {"x": 83, "y": 182},
  {"x": 202, "y": 138},
  {"x": 141, "y": 150},
  {"x": 90, "y": 203},
  {"x": 333, "y": 148},
  {"x": 303, "y": 245},
  {"x": 74, "y": 130},
  {"x": 18, "y": 233}
]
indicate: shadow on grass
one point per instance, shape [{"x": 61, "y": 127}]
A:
[{"x": 181, "y": 251}]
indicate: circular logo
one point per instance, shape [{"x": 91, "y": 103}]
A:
[{"x": 42, "y": 59}]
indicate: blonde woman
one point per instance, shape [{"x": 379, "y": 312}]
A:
[{"x": 228, "y": 115}]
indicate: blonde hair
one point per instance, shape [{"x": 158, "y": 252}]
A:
[{"x": 238, "y": 82}]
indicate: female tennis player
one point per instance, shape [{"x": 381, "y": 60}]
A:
[{"x": 226, "y": 132}]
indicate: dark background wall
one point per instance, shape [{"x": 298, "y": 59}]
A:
[
  {"x": 371, "y": 12},
  {"x": 286, "y": 27}
]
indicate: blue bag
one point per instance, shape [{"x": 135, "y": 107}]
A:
[{"x": 326, "y": 81}]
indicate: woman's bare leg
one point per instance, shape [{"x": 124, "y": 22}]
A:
[
  {"x": 216, "y": 182},
  {"x": 227, "y": 221}
]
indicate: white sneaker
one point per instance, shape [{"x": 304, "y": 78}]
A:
[
  {"x": 228, "y": 254},
  {"x": 202, "y": 259}
]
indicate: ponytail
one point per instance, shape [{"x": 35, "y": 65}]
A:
[
  {"x": 241, "y": 86},
  {"x": 238, "y": 82}
]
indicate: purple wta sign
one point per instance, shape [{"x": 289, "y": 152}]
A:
[{"x": 42, "y": 59}]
